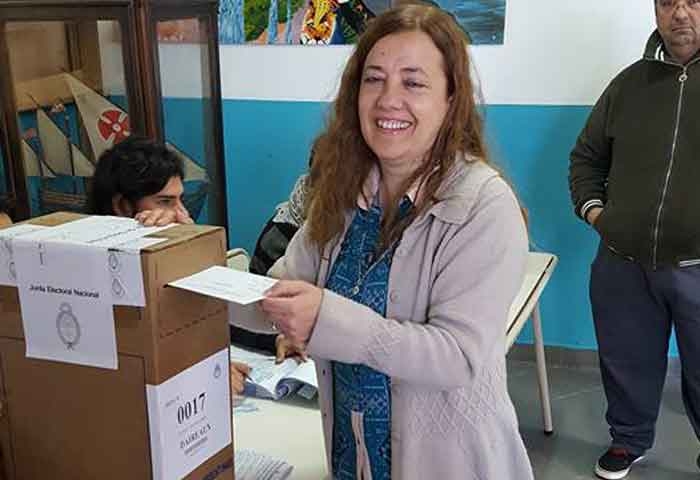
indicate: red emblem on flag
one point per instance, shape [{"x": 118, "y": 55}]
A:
[{"x": 113, "y": 126}]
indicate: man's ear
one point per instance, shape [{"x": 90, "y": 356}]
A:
[{"x": 121, "y": 206}]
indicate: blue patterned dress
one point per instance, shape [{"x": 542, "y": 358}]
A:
[{"x": 359, "y": 276}]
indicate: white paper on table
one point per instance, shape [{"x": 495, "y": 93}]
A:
[
  {"x": 251, "y": 465},
  {"x": 264, "y": 370},
  {"x": 305, "y": 373},
  {"x": 190, "y": 417},
  {"x": 65, "y": 301},
  {"x": 227, "y": 284},
  {"x": 276, "y": 379},
  {"x": 8, "y": 274}
]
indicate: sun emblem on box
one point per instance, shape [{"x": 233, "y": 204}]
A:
[
  {"x": 12, "y": 269},
  {"x": 117, "y": 288},
  {"x": 113, "y": 262},
  {"x": 67, "y": 326}
]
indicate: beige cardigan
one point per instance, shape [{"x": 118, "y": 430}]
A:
[{"x": 454, "y": 275}]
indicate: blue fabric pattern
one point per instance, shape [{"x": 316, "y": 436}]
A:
[{"x": 359, "y": 276}]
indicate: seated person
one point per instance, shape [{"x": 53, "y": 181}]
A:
[
  {"x": 142, "y": 179},
  {"x": 280, "y": 229}
]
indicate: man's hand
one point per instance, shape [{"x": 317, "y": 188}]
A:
[
  {"x": 593, "y": 214},
  {"x": 286, "y": 349}
]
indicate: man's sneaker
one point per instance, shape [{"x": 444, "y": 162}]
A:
[{"x": 615, "y": 463}]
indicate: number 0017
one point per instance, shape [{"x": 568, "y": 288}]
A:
[{"x": 191, "y": 407}]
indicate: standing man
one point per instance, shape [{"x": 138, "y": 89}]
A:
[{"x": 635, "y": 177}]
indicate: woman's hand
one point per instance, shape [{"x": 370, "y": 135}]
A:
[
  {"x": 293, "y": 307},
  {"x": 286, "y": 349},
  {"x": 239, "y": 372}
]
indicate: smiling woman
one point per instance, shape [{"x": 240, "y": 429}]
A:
[
  {"x": 400, "y": 281},
  {"x": 403, "y": 101}
]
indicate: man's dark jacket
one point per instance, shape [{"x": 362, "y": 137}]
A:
[{"x": 639, "y": 156}]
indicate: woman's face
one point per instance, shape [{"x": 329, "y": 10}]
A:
[{"x": 403, "y": 98}]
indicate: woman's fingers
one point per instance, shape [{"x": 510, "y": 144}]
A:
[
  {"x": 285, "y": 288},
  {"x": 282, "y": 349}
]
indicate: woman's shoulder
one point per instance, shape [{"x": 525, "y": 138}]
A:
[{"x": 470, "y": 184}]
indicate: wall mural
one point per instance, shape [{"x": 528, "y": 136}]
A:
[{"x": 326, "y": 22}]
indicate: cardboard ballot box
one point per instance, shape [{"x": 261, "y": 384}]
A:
[{"x": 144, "y": 420}]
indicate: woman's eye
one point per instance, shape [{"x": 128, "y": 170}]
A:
[{"x": 414, "y": 84}]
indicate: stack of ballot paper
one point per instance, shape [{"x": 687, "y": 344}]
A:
[
  {"x": 255, "y": 466},
  {"x": 268, "y": 379}
]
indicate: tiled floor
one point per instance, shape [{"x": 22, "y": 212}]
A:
[{"x": 580, "y": 431}]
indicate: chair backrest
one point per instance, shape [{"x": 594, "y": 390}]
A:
[
  {"x": 238, "y": 259},
  {"x": 539, "y": 268}
]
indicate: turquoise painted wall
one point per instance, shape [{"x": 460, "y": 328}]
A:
[{"x": 267, "y": 145}]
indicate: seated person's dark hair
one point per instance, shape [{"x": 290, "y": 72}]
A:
[{"x": 135, "y": 168}]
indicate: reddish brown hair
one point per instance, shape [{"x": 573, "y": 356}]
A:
[{"x": 343, "y": 159}]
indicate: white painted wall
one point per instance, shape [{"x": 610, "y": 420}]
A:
[
  {"x": 181, "y": 70},
  {"x": 558, "y": 52},
  {"x": 111, "y": 58}
]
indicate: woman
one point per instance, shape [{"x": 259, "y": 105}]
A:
[{"x": 400, "y": 281}]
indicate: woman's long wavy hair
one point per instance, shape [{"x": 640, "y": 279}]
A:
[{"x": 342, "y": 158}]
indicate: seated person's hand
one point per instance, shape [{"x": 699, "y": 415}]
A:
[
  {"x": 239, "y": 372},
  {"x": 163, "y": 216},
  {"x": 5, "y": 219},
  {"x": 286, "y": 349}
]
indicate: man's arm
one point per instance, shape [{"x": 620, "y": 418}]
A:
[{"x": 590, "y": 161}]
